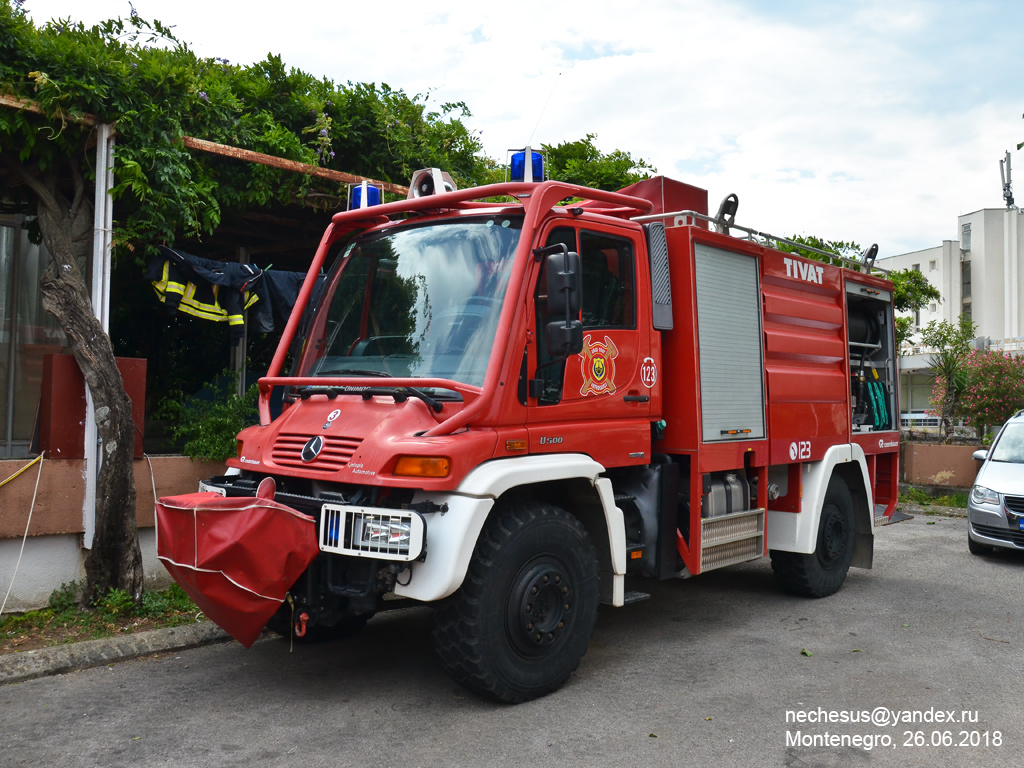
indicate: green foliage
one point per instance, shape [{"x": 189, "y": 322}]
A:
[
  {"x": 993, "y": 388},
  {"x": 921, "y": 497},
  {"x": 952, "y": 344},
  {"x": 171, "y": 601},
  {"x": 115, "y": 612},
  {"x": 942, "y": 334},
  {"x": 67, "y": 597},
  {"x": 210, "y": 421},
  {"x": 848, "y": 250},
  {"x": 581, "y": 162},
  {"x": 136, "y": 73},
  {"x": 911, "y": 292},
  {"x": 116, "y": 603},
  {"x": 911, "y": 289},
  {"x": 904, "y": 330}
]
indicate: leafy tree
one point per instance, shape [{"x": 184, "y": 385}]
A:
[
  {"x": 848, "y": 250},
  {"x": 952, "y": 343},
  {"x": 911, "y": 292},
  {"x": 581, "y": 162},
  {"x": 993, "y": 390},
  {"x": 135, "y": 74}
]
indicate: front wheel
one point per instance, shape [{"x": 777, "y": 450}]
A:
[
  {"x": 520, "y": 623},
  {"x": 822, "y": 572},
  {"x": 977, "y": 548}
]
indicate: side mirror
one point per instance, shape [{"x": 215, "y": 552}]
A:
[
  {"x": 564, "y": 338},
  {"x": 564, "y": 284},
  {"x": 980, "y": 455}
]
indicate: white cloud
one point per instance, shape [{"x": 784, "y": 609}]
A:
[{"x": 861, "y": 121}]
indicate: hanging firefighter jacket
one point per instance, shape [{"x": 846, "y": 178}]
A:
[
  {"x": 203, "y": 288},
  {"x": 223, "y": 291}
]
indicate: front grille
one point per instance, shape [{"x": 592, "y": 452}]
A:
[
  {"x": 1014, "y": 537},
  {"x": 333, "y": 456},
  {"x": 1015, "y": 504}
]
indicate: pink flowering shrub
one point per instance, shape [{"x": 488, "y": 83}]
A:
[{"x": 994, "y": 388}]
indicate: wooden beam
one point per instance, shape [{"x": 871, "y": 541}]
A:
[
  {"x": 287, "y": 165},
  {"x": 7, "y": 100},
  {"x": 212, "y": 147}
]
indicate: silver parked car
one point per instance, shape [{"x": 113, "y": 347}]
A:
[{"x": 996, "y": 508}]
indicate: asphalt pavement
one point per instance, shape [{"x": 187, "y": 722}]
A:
[{"x": 721, "y": 669}]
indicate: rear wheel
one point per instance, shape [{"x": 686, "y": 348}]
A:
[
  {"x": 822, "y": 572},
  {"x": 520, "y": 623}
]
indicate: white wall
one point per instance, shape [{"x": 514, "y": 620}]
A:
[{"x": 50, "y": 561}]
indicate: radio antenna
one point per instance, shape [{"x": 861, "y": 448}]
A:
[
  {"x": 544, "y": 108},
  {"x": 1004, "y": 174}
]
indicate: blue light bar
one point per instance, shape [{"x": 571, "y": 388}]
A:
[
  {"x": 356, "y": 197},
  {"x": 518, "y": 172}
]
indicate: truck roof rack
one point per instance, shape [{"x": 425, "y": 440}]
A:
[{"x": 762, "y": 238}]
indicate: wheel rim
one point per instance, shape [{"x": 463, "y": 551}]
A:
[
  {"x": 834, "y": 536},
  {"x": 540, "y": 608}
]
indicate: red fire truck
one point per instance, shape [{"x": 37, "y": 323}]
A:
[{"x": 509, "y": 408}]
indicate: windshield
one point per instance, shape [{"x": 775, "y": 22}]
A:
[
  {"x": 421, "y": 301},
  {"x": 1010, "y": 446}
]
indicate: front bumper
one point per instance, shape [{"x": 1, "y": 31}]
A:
[
  {"x": 235, "y": 557},
  {"x": 995, "y": 527}
]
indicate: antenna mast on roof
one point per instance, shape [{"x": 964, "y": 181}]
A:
[{"x": 1004, "y": 173}]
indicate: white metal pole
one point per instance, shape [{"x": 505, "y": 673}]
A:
[{"x": 103, "y": 218}]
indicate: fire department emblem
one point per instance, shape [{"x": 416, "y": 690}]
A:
[{"x": 597, "y": 364}]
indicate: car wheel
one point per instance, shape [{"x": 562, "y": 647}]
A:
[
  {"x": 822, "y": 572},
  {"x": 977, "y": 548},
  {"x": 520, "y": 623}
]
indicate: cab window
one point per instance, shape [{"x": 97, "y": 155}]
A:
[{"x": 608, "y": 297}]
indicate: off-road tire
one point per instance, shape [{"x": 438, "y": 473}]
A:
[
  {"x": 977, "y": 548},
  {"x": 520, "y": 623},
  {"x": 822, "y": 572}
]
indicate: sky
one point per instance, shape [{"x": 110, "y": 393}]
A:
[{"x": 870, "y": 121}]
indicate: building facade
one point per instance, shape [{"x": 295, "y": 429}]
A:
[{"x": 981, "y": 274}]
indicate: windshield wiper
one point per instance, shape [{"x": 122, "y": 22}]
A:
[
  {"x": 351, "y": 372},
  {"x": 401, "y": 393},
  {"x": 332, "y": 392}
]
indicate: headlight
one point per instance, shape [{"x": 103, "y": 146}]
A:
[
  {"x": 385, "y": 534},
  {"x": 382, "y": 534},
  {"x": 982, "y": 495}
]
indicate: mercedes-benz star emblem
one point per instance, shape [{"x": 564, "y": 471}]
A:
[{"x": 312, "y": 448}]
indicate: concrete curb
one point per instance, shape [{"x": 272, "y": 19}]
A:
[{"x": 17, "y": 667}]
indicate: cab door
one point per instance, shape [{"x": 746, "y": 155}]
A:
[{"x": 597, "y": 402}]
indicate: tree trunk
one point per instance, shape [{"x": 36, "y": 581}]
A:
[{"x": 115, "y": 560}]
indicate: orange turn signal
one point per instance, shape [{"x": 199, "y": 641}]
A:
[{"x": 423, "y": 466}]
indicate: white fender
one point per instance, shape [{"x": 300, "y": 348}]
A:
[
  {"x": 452, "y": 536},
  {"x": 792, "y": 532}
]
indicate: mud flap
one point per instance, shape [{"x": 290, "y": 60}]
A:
[{"x": 235, "y": 557}]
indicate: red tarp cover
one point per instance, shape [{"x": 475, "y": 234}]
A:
[{"x": 235, "y": 557}]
